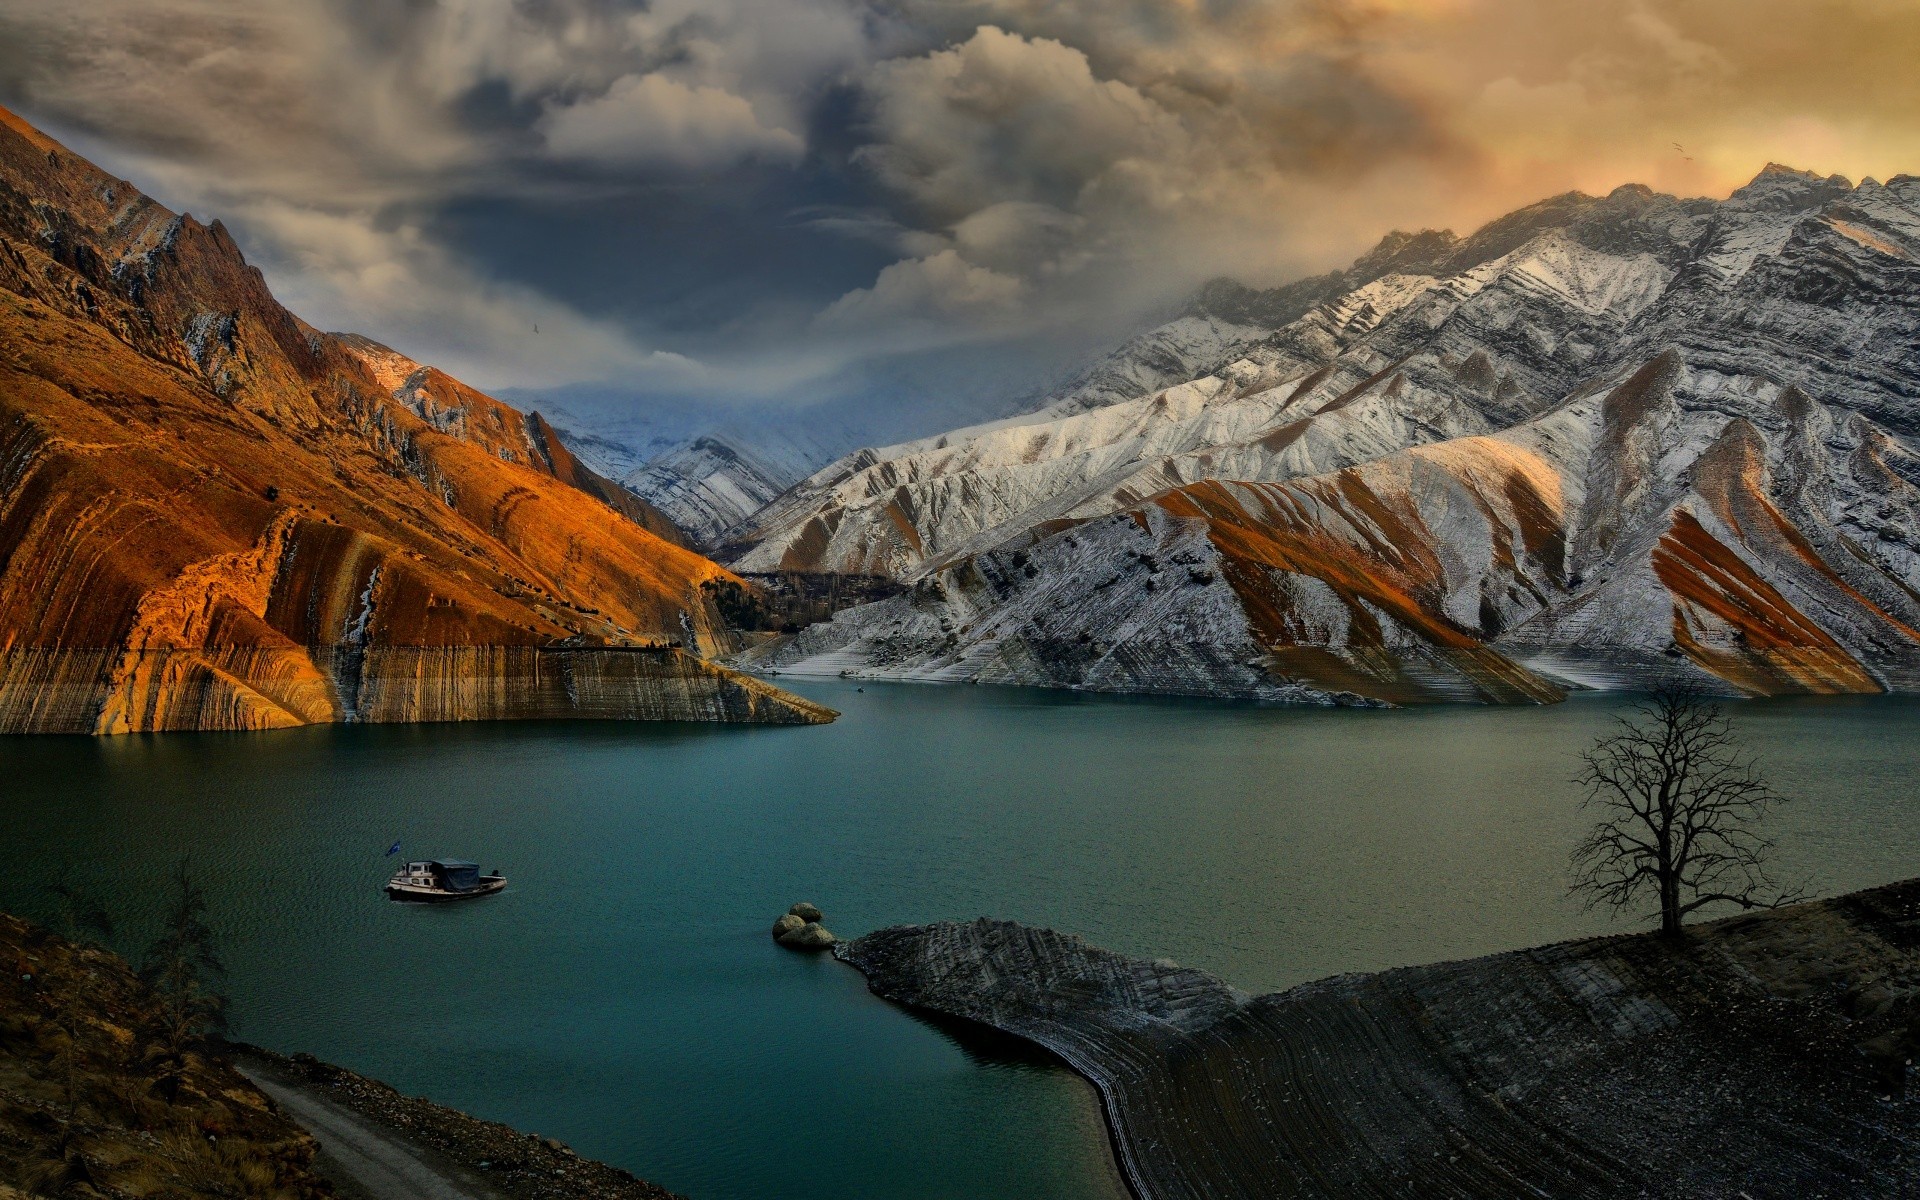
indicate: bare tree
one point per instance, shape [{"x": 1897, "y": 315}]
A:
[{"x": 1680, "y": 809}]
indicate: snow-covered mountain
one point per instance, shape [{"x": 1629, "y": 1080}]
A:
[
  {"x": 709, "y": 485},
  {"x": 1600, "y": 438},
  {"x": 706, "y": 475},
  {"x": 713, "y": 477}
]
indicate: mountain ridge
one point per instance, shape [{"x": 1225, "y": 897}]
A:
[
  {"x": 215, "y": 516},
  {"x": 1713, "y": 399}
]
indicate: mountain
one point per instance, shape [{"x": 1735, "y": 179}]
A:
[
  {"x": 714, "y": 484},
  {"x": 709, "y": 485},
  {"x": 706, "y": 473},
  {"x": 1221, "y": 321},
  {"x": 459, "y": 411},
  {"x": 214, "y": 516},
  {"x": 1600, "y": 440}
]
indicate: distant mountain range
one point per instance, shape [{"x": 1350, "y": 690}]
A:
[
  {"x": 1601, "y": 440},
  {"x": 214, "y": 516}
]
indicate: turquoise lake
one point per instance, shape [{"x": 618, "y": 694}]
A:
[{"x": 623, "y": 995}]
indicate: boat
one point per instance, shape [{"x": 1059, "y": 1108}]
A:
[{"x": 435, "y": 879}]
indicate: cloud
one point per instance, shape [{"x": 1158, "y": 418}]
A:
[
  {"x": 1110, "y": 154},
  {"x": 961, "y": 172},
  {"x": 1003, "y": 118},
  {"x": 653, "y": 119},
  {"x": 1100, "y": 182},
  {"x": 936, "y": 296},
  {"x": 338, "y": 271},
  {"x": 873, "y": 226},
  {"x": 1017, "y": 234},
  {"x": 334, "y": 135}
]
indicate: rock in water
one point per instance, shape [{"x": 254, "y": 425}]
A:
[
  {"x": 800, "y": 929},
  {"x": 811, "y": 936}
]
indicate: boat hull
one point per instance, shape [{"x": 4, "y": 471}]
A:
[{"x": 417, "y": 895}]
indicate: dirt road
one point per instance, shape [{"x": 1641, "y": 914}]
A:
[{"x": 363, "y": 1159}]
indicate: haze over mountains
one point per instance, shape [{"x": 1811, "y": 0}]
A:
[
  {"x": 711, "y": 474},
  {"x": 1600, "y": 439},
  {"x": 215, "y": 516}
]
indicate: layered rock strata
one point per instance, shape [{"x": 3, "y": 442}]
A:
[
  {"x": 213, "y": 516},
  {"x": 1764, "y": 1056},
  {"x": 1602, "y": 441}
]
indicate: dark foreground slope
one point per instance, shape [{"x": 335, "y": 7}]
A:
[
  {"x": 213, "y": 516},
  {"x": 84, "y": 1112},
  {"x": 377, "y": 1143},
  {"x": 80, "y": 1113},
  {"x": 1764, "y": 1056}
]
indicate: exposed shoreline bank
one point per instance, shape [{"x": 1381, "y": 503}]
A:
[
  {"x": 1762, "y": 1054},
  {"x": 370, "y": 1135}
]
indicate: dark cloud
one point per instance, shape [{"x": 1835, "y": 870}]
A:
[{"x": 771, "y": 198}]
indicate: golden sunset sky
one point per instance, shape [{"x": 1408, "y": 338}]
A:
[{"x": 787, "y": 199}]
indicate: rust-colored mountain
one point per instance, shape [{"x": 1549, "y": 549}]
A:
[{"x": 213, "y": 516}]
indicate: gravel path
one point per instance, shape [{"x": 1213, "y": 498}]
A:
[{"x": 357, "y": 1154}]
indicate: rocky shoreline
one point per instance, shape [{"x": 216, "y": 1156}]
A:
[
  {"x": 502, "y": 1161},
  {"x": 1765, "y": 1055}
]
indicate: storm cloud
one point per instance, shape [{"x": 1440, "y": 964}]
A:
[{"x": 749, "y": 199}]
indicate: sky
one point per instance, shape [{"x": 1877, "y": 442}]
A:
[{"x": 773, "y": 202}]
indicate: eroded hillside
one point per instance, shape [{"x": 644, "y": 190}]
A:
[
  {"x": 215, "y": 516},
  {"x": 1601, "y": 440},
  {"x": 1767, "y": 1055}
]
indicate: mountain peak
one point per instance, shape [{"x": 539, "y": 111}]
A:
[
  {"x": 1402, "y": 250},
  {"x": 1775, "y": 176}
]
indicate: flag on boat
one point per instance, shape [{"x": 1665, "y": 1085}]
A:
[{"x": 393, "y": 849}]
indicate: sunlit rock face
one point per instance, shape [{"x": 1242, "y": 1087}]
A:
[
  {"x": 213, "y": 516},
  {"x": 459, "y": 411},
  {"x": 1600, "y": 441}
]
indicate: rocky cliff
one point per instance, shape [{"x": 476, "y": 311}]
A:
[
  {"x": 1764, "y": 1056},
  {"x": 455, "y": 409},
  {"x": 1601, "y": 440},
  {"x": 213, "y": 516}
]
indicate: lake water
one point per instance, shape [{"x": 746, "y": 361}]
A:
[{"x": 622, "y": 995}]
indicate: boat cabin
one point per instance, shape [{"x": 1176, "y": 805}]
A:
[
  {"x": 442, "y": 879},
  {"x": 444, "y": 874}
]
